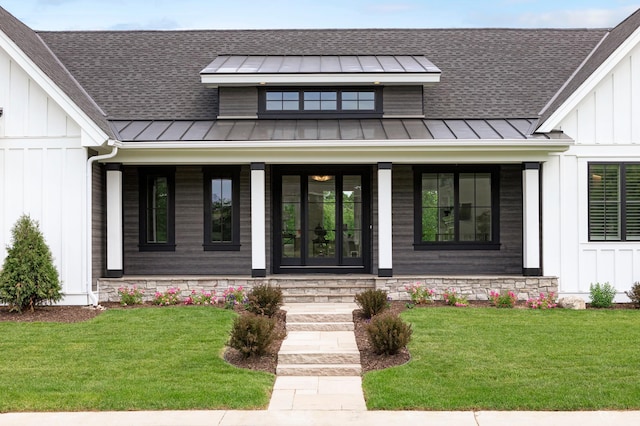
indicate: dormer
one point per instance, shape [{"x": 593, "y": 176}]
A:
[{"x": 312, "y": 86}]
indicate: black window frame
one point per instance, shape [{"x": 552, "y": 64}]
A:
[
  {"x": 377, "y": 112},
  {"x": 222, "y": 172},
  {"x": 494, "y": 244},
  {"x": 622, "y": 197},
  {"x": 144, "y": 173}
]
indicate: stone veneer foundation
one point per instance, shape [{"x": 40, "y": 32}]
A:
[{"x": 332, "y": 288}]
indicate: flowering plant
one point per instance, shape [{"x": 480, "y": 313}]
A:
[
  {"x": 542, "y": 301},
  {"x": 505, "y": 300},
  {"x": 169, "y": 297},
  {"x": 234, "y": 296},
  {"x": 451, "y": 298},
  {"x": 202, "y": 298},
  {"x": 419, "y": 295},
  {"x": 130, "y": 296}
]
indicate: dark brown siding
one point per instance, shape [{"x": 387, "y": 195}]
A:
[
  {"x": 507, "y": 260},
  {"x": 189, "y": 257},
  {"x": 98, "y": 223},
  {"x": 238, "y": 101},
  {"x": 402, "y": 101}
]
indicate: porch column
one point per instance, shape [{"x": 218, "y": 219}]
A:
[
  {"x": 531, "y": 219},
  {"x": 385, "y": 225},
  {"x": 258, "y": 222},
  {"x": 114, "y": 220}
]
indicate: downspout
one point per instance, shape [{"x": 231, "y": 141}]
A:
[{"x": 89, "y": 214}]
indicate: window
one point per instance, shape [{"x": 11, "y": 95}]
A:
[
  {"x": 157, "y": 209},
  {"x": 456, "y": 208},
  {"x": 221, "y": 208},
  {"x": 614, "y": 202},
  {"x": 321, "y": 103}
]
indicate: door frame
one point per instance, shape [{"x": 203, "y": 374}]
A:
[{"x": 278, "y": 171}]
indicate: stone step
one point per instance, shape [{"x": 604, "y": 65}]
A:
[
  {"x": 318, "y": 298},
  {"x": 318, "y": 357},
  {"x": 318, "y": 369},
  {"x": 320, "y": 326},
  {"x": 319, "y": 317}
]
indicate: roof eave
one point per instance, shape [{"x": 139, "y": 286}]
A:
[{"x": 319, "y": 79}]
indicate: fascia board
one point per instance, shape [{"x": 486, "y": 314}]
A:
[
  {"x": 590, "y": 83},
  {"x": 238, "y": 79},
  {"x": 397, "y": 144},
  {"x": 96, "y": 135}
]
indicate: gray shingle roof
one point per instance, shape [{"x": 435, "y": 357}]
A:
[
  {"x": 613, "y": 40},
  {"x": 33, "y": 46},
  {"x": 486, "y": 73}
]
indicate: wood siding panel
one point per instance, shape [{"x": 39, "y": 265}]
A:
[
  {"x": 189, "y": 257},
  {"x": 238, "y": 102},
  {"x": 402, "y": 101},
  {"x": 507, "y": 260},
  {"x": 98, "y": 223}
]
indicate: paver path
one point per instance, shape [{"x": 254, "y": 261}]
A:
[{"x": 319, "y": 362}]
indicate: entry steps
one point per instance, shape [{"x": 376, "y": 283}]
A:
[{"x": 320, "y": 341}]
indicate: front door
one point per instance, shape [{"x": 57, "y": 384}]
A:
[{"x": 322, "y": 220}]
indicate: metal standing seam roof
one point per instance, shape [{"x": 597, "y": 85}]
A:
[
  {"x": 339, "y": 129},
  {"x": 296, "y": 64}
]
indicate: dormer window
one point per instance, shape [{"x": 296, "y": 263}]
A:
[{"x": 320, "y": 102}]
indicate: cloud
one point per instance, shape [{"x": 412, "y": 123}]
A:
[{"x": 585, "y": 18}]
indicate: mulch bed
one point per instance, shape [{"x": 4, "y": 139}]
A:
[{"x": 369, "y": 359}]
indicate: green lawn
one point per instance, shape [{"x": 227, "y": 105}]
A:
[
  {"x": 513, "y": 359},
  {"x": 133, "y": 359}
]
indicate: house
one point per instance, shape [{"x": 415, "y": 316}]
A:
[{"x": 472, "y": 158}]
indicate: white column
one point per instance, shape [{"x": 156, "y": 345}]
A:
[
  {"x": 258, "y": 222},
  {"x": 385, "y": 225},
  {"x": 531, "y": 219},
  {"x": 114, "y": 221}
]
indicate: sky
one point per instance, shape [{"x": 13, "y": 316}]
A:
[{"x": 256, "y": 14}]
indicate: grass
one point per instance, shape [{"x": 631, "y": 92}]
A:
[
  {"x": 506, "y": 359},
  {"x": 127, "y": 359}
]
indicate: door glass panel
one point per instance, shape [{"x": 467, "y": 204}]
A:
[
  {"x": 321, "y": 216},
  {"x": 352, "y": 217},
  {"x": 291, "y": 214}
]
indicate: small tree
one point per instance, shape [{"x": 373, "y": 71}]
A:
[{"x": 28, "y": 277}]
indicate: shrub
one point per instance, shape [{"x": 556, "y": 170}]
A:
[
  {"x": 388, "y": 333},
  {"x": 233, "y": 296},
  {"x": 130, "y": 296},
  {"x": 453, "y": 299},
  {"x": 542, "y": 301},
  {"x": 602, "y": 295},
  {"x": 420, "y": 295},
  {"x": 264, "y": 300},
  {"x": 251, "y": 334},
  {"x": 504, "y": 300},
  {"x": 634, "y": 294},
  {"x": 28, "y": 277},
  {"x": 169, "y": 297},
  {"x": 372, "y": 302}
]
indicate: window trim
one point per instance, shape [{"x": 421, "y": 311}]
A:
[
  {"x": 494, "y": 244},
  {"x": 377, "y": 112},
  {"x": 222, "y": 172},
  {"x": 622, "y": 178},
  {"x": 144, "y": 173}
]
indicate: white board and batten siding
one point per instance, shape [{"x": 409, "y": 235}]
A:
[
  {"x": 42, "y": 173},
  {"x": 605, "y": 125}
]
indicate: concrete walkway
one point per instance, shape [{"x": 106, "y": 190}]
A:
[{"x": 322, "y": 418}]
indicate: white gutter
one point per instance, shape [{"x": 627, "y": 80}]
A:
[{"x": 89, "y": 215}]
